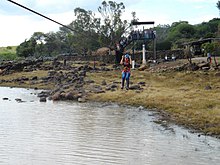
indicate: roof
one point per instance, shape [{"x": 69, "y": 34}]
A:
[{"x": 200, "y": 41}]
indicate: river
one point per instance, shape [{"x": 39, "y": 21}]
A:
[{"x": 67, "y": 133}]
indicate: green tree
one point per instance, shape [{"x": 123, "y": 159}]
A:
[
  {"x": 181, "y": 30},
  {"x": 39, "y": 38},
  {"x": 26, "y": 48},
  {"x": 113, "y": 26},
  {"x": 218, "y": 5},
  {"x": 52, "y": 44},
  {"x": 86, "y": 27}
]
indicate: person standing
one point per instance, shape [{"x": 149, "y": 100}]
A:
[
  {"x": 209, "y": 58},
  {"x": 126, "y": 72}
]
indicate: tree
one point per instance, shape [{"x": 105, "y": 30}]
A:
[
  {"x": 218, "y": 5},
  {"x": 52, "y": 44},
  {"x": 39, "y": 38},
  {"x": 180, "y": 32},
  {"x": 86, "y": 27},
  {"x": 113, "y": 26},
  {"x": 26, "y": 48}
]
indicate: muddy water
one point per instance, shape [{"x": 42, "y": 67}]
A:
[{"x": 68, "y": 133}]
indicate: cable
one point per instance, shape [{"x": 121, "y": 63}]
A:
[
  {"x": 41, "y": 15},
  {"x": 48, "y": 18},
  {"x": 45, "y": 17}
]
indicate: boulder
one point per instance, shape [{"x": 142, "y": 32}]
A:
[
  {"x": 1, "y": 71},
  {"x": 71, "y": 96},
  {"x": 135, "y": 87},
  {"x": 81, "y": 100},
  {"x": 43, "y": 99},
  {"x": 217, "y": 74},
  {"x": 56, "y": 96},
  {"x": 143, "y": 67},
  {"x": 204, "y": 65},
  {"x": 102, "y": 51}
]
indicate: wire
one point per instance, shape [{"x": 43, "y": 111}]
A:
[
  {"x": 49, "y": 18},
  {"x": 45, "y": 17},
  {"x": 41, "y": 15}
]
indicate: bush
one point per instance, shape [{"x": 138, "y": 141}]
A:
[{"x": 7, "y": 56}]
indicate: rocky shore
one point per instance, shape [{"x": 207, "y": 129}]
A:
[{"x": 174, "y": 88}]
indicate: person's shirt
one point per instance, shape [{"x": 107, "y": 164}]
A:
[{"x": 127, "y": 65}]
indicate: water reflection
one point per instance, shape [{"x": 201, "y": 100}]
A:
[{"x": 70, "y": 133}]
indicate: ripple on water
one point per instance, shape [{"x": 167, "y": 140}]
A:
[{"x": 70, "y": 133}]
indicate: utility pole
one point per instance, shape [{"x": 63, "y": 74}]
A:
[
  {"x": 144, "y": 50},
  {"x": 144, "y": 57},
  {"x": 155, "y": 55},
  {"x": 133, "y": 61}
]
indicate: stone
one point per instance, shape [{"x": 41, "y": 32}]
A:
[
  {"x": 43, "y": 99},
  {"x": 208, "y": 87},
  {"x": 81, "y": 100}
]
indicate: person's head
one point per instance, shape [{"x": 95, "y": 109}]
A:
[{"x": 127, "y": 57}]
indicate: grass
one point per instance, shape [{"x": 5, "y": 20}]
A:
[
  {"x": 26, "y": 84},
  {"x": 181, "y": 94},
  {"x": 8, "y": 53}
]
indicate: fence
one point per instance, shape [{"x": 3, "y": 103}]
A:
[{"x": 179, "y": 54}]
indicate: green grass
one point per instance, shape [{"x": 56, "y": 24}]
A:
[{"x": 8, "y": 53}]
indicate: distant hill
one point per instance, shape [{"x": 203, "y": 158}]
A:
[{"x": 8, "y": 53}]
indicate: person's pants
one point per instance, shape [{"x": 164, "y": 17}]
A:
[
  {"x": 209, "y": 60},
  {"x": 125, "y": 76}
]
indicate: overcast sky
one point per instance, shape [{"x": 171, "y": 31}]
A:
[{"x": 18, "y": 24}]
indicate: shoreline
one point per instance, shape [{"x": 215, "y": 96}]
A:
[{"x": 186, "y": 98}]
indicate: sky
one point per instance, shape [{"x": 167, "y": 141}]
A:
[{"x": 18, "y": 24}]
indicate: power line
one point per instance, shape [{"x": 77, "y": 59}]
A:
[{"x": 41, "y": 15}]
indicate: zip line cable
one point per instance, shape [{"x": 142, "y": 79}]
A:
[
  {"x": 41, "y": 15},
  {"x": 48, "y": 18},
  {"x": 45, "y": 17}
]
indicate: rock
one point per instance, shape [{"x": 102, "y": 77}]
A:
[
  {"x": 81, "y": 100},
  {"x": 90, "y": 81},
  {"x": 1, "y": 71},
  {"x": 105, "y": 69},
  {"x": 70, "y": 96},
  {"x": 43, "y": 99},
  {"x": 113, "y": 85},
  {"x": 142, "y": 83},
  {"x": 56, "y": 96},
  {"x": 193, "y": 67},
  {"x": 19, "y": 100},
  {"x": 82, "y": 73},
  {"x": 217, "y": 74},
  {"x": 103, "y": 82},
  {"x": 208, "y": 87},
  {"x": 135, "y": 87},
  {"x": 143, "y": 67},
  {"x": 51, "y": 73},
  {"x": 102, "y": 51},
  {"x": 34, "y": 78},
  {"x": 43, "y": 94},
  {"x": 204, "y": 64},
  {"x": 97, "y": 89}
]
